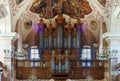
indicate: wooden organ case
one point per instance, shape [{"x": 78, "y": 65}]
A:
[{"x": 59, "y": 49}]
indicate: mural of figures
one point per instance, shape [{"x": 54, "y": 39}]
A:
[
  {"x": 93, "y": 25},
  {"x": 27, "y": 24},
  {"x": 18, "y": 1},
  {"x": 38, "y": 6},
  {"x": 104, "y": 29},
  {"x": 103, "y": 2},
  {"x": 73, "y": 8}
]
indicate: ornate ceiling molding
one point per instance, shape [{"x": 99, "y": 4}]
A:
[{"x": 16, "y": 11}]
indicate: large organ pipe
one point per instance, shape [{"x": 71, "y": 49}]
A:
[
  {"x": 45, "y": 38},
  {"x": 74, "y": 42},
  {"x": 78, "y": 39},
  {"x": 60, "y": 21},
  {"x": 50, "y": 36},
  {"x": 66, "y": 61},
  {"x": 69, "y": 41},
  {"x": 41, "y": 40},
  {"x": 41, "y": 30},
  {"x": 45, "y": 42},
  {"x": 54, "y": 38},
  {"x": 50, "y": 41},
  {"x": 54, "y": 42},
  {"x": 53, "y": 60},
  {"x": 79, "y": 34},
  {"x": 69, "y": 36},
  {"x": 41, "y": 36},
  {"x": 60, "y": 64},
  {"x": 60, "y": 37},
  {"x": 74, "y": 38},
  {"x": 65, "y": 42}
]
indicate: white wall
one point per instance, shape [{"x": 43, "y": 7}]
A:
[
  {"x": 5, "y": 21},
  {"x": 115, "y": 45}
]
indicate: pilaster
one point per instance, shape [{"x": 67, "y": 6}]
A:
[
  {"x": 6, "y": 52},
  {"x": 113, "y": 50}
]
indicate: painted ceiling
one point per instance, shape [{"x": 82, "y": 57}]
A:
[{"x": 50, "y": 8}]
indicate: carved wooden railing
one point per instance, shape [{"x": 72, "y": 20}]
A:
[
  {"x": 38, "y": 68},
  {"x": 78, "y": 69}
]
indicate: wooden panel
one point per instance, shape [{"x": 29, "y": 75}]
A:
[
  {"x": 43, "y": 73},
  {"x": 82, "y": 72},
  {"x": 23, "y": 72},
  {"x": 26, "y": 72},
  {"x": 76, "y": 73},
  {"x": 97, "y": 72}
]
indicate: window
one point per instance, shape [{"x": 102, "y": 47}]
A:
[
  {"x": 34, "y": 56},
  {"x": 86, "y": 56},
  {"x": 34, "y": 53}
]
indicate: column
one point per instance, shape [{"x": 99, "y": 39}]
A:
[
  {"x": 113, "y": 53},
  {"x": 6, "y": 42}
]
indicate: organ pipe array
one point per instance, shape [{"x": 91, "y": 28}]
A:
[{"x": 60, "y": 37}]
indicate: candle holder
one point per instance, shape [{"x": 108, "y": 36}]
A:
[
  {"x": 21, "y": 54},
  {"x": 107, "y": 54}
]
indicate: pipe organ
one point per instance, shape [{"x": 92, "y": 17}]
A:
[{"x": 60, "y": 49}]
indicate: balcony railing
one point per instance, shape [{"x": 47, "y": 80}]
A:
[{"x": 76, "y": 70}]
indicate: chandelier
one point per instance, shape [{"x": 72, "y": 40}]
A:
[
  {"x": 106, "y": 54},
  {"x": 22, "y": 54}
]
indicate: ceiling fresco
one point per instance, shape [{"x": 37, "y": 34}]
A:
[
  {"x": 19, "y": 1},
  {"x": 50, "y": 8},
  {"x": 93, "y": 25},
  {"x": 103, "y": 2},
  {"x": 27, "y": 24}
]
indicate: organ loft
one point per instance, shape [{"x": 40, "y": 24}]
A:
[
  {"x": 58, "y": 53},
  {"x": 59, "y": 40}
]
